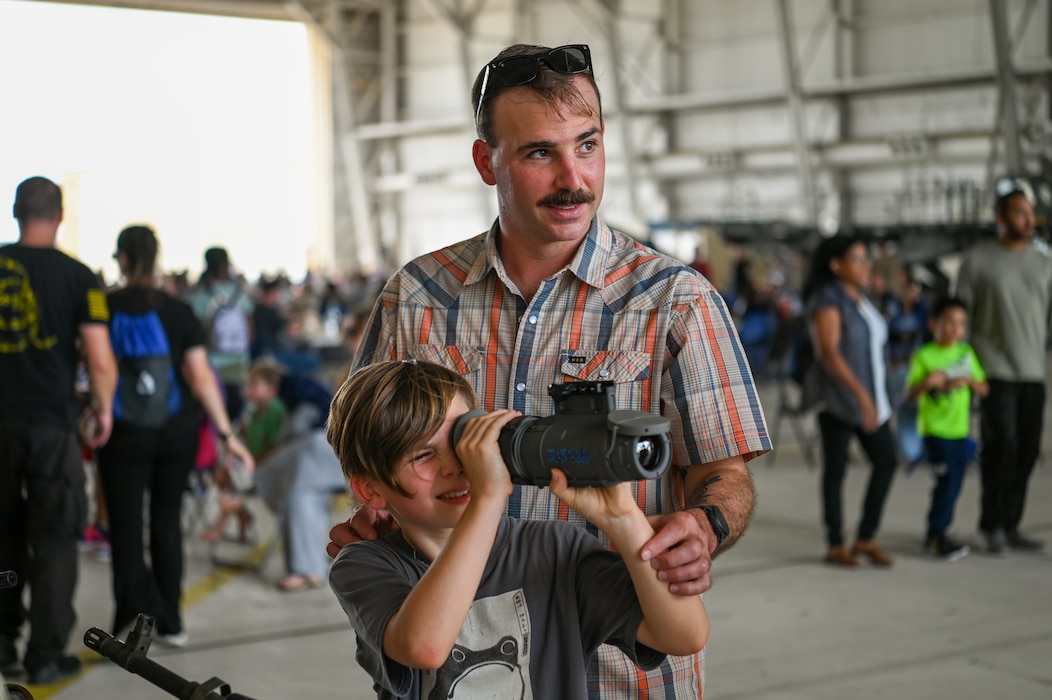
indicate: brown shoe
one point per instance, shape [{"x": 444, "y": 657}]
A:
[
  {"x": 841, "y": 557},
  {"x": 871, "y": 550}
]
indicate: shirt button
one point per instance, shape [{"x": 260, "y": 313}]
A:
[
  {"x": 604, "y": 373},
  {"x": 532, "y": 319},
  {"x": 520, "y": 387}
]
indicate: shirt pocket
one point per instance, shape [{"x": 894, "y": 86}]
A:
[
  {"x": 464, "y": 359},
  {"x": 618, "y": 366}
]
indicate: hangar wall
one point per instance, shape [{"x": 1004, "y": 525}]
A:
[
  {"x": 754, "y": 119},
  {"x": 896, "y": 106}
]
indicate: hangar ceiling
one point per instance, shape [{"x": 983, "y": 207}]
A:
[{"x": 819, "y": 158}]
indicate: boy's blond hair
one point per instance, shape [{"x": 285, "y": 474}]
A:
[{"x": 385, "y": 410}]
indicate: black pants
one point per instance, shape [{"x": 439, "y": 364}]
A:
[
  {"x": 132, "y": 463},
  {"x": 879, "y": 447},
  {"x": 43, "y": 507},
  {"x": 1012, "y": 419}
]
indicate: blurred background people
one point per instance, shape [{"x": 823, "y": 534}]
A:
[
  {"x": 1007, "y": 285},
  {"x": 850, "y": 338},
  {"x": 224, "y": 309},
  {"x": 268, "y": 320},
  {"x": 943, "y": 374},
  {"x": 163, "y": 367},
  {"x": 43, "y": 506},
  {"x": 297, "y": 477}
]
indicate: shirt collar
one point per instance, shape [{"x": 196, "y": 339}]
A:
[{"x": 588, "y": 264}]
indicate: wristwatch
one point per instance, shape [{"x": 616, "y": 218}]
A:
[{"x": 719, "y": 524}]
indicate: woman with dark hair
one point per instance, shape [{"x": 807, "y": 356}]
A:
[
  {"x": 162, "y": 367},
  {"x": 850, "y": 338}
]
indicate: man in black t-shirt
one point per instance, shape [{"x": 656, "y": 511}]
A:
[{"x": 48, "y": 301}]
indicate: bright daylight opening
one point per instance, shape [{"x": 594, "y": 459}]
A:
[{"x": 205, "y": 128}]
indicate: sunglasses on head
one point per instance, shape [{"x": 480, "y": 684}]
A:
[{"x": 522, "y": 69}]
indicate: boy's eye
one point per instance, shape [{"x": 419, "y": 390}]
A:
[{"x": 423, "y": 464}]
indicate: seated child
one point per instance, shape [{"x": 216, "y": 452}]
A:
[
  {"x": 263, "y": 428},
  {"x": 463, "y": 596}
]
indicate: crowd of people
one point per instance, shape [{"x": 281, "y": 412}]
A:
[
  {"x": 163, "y": 379},
  {"x": 428, "y": 568}
]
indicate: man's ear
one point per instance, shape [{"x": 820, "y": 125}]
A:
[
  {"x": 482, "y": 154},
  {"x": 366, "y": 490}
]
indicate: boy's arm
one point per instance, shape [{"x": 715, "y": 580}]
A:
[
  {"x": 672, "y": 624},
  {"x": 422, "y": 633}
]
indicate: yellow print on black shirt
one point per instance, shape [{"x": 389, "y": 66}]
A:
[{"x": 19, "y": 311}]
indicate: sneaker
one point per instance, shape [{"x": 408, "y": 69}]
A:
[
  {"x": 996, "y": 542},
  {"x": 55, "y": 671},
  {"x": 174, "y": 641},
  {"x": 1021, "y": 543},
  {"x": 946, "y": 548}
]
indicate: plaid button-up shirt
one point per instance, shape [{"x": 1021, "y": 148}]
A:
[{"x": 619, "y": 312}]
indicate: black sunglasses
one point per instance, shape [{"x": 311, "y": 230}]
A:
[{"x": 520, "y": 70}]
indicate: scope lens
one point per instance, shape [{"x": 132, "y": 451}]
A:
[{"x": 648, "y": 454}]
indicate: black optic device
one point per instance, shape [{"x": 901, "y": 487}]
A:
[{"x": 586, "y": 438}]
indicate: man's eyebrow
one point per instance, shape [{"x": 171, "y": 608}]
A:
[{"x": 533, "y": 145}]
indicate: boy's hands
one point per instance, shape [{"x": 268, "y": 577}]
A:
[
  {"x": 936, "y": 381},
  {"x": 602, "y": 507},
  {"x": 480, "y": 455}
]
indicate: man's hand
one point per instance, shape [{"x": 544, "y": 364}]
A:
[
  {"x": 681, "y": 551},
  {"x": 364, "y": 524},
  {"x": 101, "y": 427}
]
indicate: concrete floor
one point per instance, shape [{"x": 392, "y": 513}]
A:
[{"x": 784, "y": 626}]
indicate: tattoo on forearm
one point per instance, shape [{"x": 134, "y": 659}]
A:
[{"x": 701, "y": 495}]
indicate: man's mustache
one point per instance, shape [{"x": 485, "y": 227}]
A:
[{"x": 566, "y": 198}]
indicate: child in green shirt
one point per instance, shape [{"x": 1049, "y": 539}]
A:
[{"x": 942, "y": 376}]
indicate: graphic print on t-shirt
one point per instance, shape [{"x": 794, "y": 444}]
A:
[
  {"x": 19, "y": 311},
  {"x": 960, "y": 368},
  {"x": 491, "y": 657}
]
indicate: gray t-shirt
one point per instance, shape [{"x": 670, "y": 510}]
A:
[
  {"x": 549, "y": 596},
  {"x": 1008, "y": 294}
]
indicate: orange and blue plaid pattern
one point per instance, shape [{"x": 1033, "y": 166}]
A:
[{"x": 619, "y": 312}]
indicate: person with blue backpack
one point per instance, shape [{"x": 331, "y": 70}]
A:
[{"x": 163, "y": 379}]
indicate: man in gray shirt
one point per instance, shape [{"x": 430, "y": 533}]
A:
[{"x": 1007, "y": 285}]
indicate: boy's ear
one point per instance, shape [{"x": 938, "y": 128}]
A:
[{"x": 366, "y": 490}]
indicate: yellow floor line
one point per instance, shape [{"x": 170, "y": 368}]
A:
[{"x": 191, "y": 597}]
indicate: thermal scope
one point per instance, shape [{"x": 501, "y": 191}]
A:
[{"x": 593, "y": 444}]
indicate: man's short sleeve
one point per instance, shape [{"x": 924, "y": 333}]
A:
[{"x": 93, "y": 307}]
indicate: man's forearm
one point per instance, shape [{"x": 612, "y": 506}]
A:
[{"x": 726, "y": 484}]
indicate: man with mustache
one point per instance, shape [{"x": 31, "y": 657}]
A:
[{"x": 550, "y": 294}]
